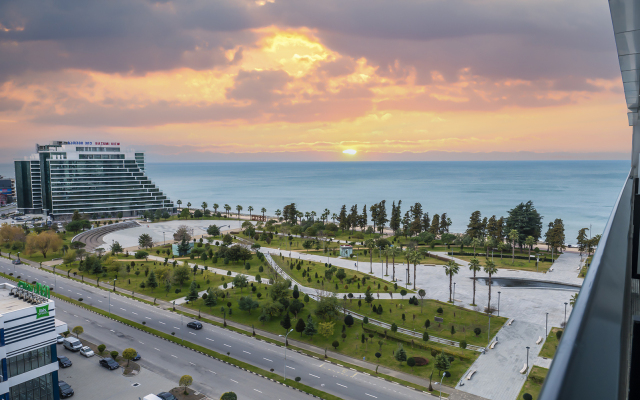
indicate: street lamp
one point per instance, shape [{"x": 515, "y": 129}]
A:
[
  {"x": 285, "y": 353},
  {"x": 164, "y": 241},
  {"x": 454, "y": 293},
  {"x": 546, "y": 325},
  {"x": 442, "y": 379},
  {"x": 527, "y": 358},
  {"x": 114, "y": 284},
  {"x": 565, "y": 314},
  {"x": 499, "y": 303}
]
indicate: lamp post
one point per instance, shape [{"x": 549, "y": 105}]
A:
[
  {"x": 565, "y": 314},
  {"x": 442, "y": 379},
  {"x": 109, "y": 302},
  {"x": 527, "y": 358},
  {"x": 546, "y": 325},
  {"x": 164, "y": 241},
  {"x": 454, "y": 293},
  {"x": 285, "y": 353},
  {"x": 499, "y": 303},
  {"x": 114, "y": 284}
]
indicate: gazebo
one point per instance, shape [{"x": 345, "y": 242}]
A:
[{"x": 346, "y": 251}]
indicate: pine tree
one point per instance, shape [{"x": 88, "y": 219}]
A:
[
  {"x": 381, "y": 217},
  {"x": 342, "y": 218},
  {"x": 310, "y": 329},
  {"x": 442, "y": 363},
  {"x": 400, "y": 355},
  {"x": 286, "y": 322},
  {"x": 300, "y": 326},
  {"x": 211, "y": 299},
  {"x": 193, "y": 291},
  {"x": 435, "y": 224},
  {"x": 152, "y": 282}
]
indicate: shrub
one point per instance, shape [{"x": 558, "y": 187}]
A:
[
  {"x": 114, "y": 355},
  {"x": 527, "y": 396},
  {"x": 298, "y": 379},
  {"x": 440, "y": 310},
  {"x": 434, "y": 352},
  {"x": 141, "y": 254},
  {"x": 348, "y": 320},
  {"x": 394, "y": 327},
  {"x": 463, "y": 344},
  {"x": 335, "y": 344},
  {"x": 411, "y": 362},
  {"x": 101, "y": 348},
  {"x": 558, "y": 334},
  {"x": 178, "y": 290},
  {"x": 477, "y": 331},
  {"x": 420, "y": 361}
]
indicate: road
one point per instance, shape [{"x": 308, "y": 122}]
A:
[{"x": 339, "y": 381}]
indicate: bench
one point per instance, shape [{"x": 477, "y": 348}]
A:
[
  {"x": 539, "y": 340},
  {"x": 524, "y": 369},
  {"x": 510, "y": 322},
  {"x": 471, "y": 374},
  {"x": 493, "y": 344}
]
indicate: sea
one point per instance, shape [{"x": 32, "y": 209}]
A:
[{"x": 581, "y": 193}]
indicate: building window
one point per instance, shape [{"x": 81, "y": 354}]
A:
[
  {"x": 27, "y": 361},
  {"x": 40, "y": 388}
]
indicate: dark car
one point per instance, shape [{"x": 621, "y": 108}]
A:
[
  {"x": 64, "y": 362},
  {"x": 137, "y": 357},
  {"x": 65, "y": 389},
  {"x": 166, "y": 396},
  {"x": 109, "y": 363},
  {"x": 194, "y": 325}
]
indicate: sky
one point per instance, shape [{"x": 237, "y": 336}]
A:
[{"x": 298, "y": 80}]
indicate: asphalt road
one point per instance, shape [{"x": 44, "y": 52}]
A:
[{"x": 339, "y": 381}]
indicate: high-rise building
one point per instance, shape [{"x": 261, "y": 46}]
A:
[
  {"x": 7, "y": 190},
  {"x": 95, "y": 178}
]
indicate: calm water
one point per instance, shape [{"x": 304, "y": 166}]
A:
[{"x": 579, "y": 192}]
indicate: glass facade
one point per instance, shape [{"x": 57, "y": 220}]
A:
[
  {"x": 28, "y": 361},
  {"x": 40, "y": 388}
]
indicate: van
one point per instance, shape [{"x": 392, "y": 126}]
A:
[
  {"x": 151, "y": 397},
  {"x": 72, "y": 344}
]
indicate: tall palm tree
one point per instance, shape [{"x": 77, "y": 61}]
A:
[
  {"x": 263, "y": 210},
  {"x": 370, "y": 244},
  {"x": 475, "y": 243},
  {"x": 204, "y": 206},
  {"x": 227, "y": 208},
  {"x": 215, "y": 207},
  {"x": 278, "y": 213},
  {"x": 530, "y": 242},
  {"x": 491, "y": 269},
  {"x": 451, "y": 269},
  {"x": 474, "y": 265},
  {"x": 189, "y": 206},
  {"x": 325, "y": 215},
  {"x": 396, "y": 251},
  {"x": 489, "y": 244},
  {"x": 250, "y": 208},
  {"x": 239, "y": 208},
  {"x": 408, "y": 257},
  {"x": 415, "y": 259},
  {"x": 179, "y": 202},
  {"x": 513, "y": 236},
  {"x": 387, "y": 252}
]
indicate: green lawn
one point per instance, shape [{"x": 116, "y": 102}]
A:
[
  {"x": 311, "y": 269},
  {"x": 463, "y": 320},
  {"x": 550, "y": 345},
  {"x": 506, "y": 263},
  {"x": 352, "y": 345},
  {"x": 534, "y": 382}
]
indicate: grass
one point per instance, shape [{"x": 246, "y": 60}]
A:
[
  {"x": 311, "y": 269},
  {"x": 351, "y": 346},
  {"x": 505, "y": 263},
  {"x": 534, "y": 382},
  {"x": 464, "y": 321},
  {"x": 550, "y": 345}
]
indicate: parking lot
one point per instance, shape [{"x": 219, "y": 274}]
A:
[{"x": 90, "y": 381}]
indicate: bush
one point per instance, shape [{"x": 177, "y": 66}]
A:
[
  {"x": 558, "y": 334},
  {"x": 420, "y": 361},
  {"x": 335, "y": 344},
  {"x": 365, "y": 320},
  {"x": 178, "y": 290},
  {"x": 114, "y": 355},
  {"x": 348, "y": 320},
  {"x": 440, "y": 310},
  {"x": 298, "y": 379},
  {"x": 101, "y": 348},
  {"x": 477, "y": 331},
  {"x": 394, "y": 327},
  {"x": 463, "y": 344},
  {"x": 527, "y": 396},
  {"x": 141, "y": 254},
  {"x": 434, "y": 352}
]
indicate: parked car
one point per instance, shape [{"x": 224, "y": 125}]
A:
[
  {"x": 166, "y": 396},
  {"x": 109, "y": 363},
  {"x": 194, "y": 325},
  {"x": 59, "y": 339},
  {"x": 65, "y": 390},
  {"x": 64, "y": 362},
  {"x": 137, "y": 357},
  {"x": 16, "y": 262},
  {"x": 87, "y": 352},
  {"x": 72, "y": 344}
]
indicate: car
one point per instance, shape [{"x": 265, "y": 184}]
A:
[
  {"x": 108, "y": 363},
  {"x": 59, "y": 339},
  {"x": 194, "y": 325},
  {"x": 137, "y": 357},
  {"x": 64, "y": 362},
  {"x": 16, "y": 262},
  {"x": 166, "y": 396},
  {"x": 65, "y": 390},
  {"x": 87, "y": 352}
]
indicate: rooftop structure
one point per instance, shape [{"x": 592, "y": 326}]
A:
[{"x": 96, "y": 178}]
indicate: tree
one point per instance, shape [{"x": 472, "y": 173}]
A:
[
  {"x": 411, "y": 362},
  {"x": 238, "y": 208},
  {"x": 204, "y": 206},
  {"x": 129, "y": 354},
  {"x": 44, "y": 242},
  {"x": 425, "y": 336},
  {"x": 286, "y": 322},
  {"x": 400, "y": 355},
  {"x": 250, "y": 209},
  {"x": 213, "y": 230},
  {"x": 152, "y": 282},
  {"x": 474, "y": 265},
  {"x": 182, "y": 274},
  {"x": 341, "y": 274},
  {"x": 370, "y": 244},
  {"x": 513, "y": 236},
  {"x": 179, "y": 203},
  {"x": 475, "y": 242},
  {"x": 442, "y": 363},
  {"x": 327, "y": 307},
  {"x": 335, "y": 344},
  {"x": 582, "y": 240},
  {"x": 70, "y": 257},
  {"x": 300, "y": 326},
  {"x": 145, "y": 241},
  {"x": 78, "y": 330},
  {"x": 212, "y": 298},
  {"x": 193, "y": 291},
  {"x": 182, "y": 233},
  {"x": 491, "y": 269},
  {"x": 348, "y": 320},
  {"x": 421, "y": 293},
  {"x": 530, "y": 241},
  {"x": 326, "y": 328},
  {"x": 240, "y": 281},
  {"x": 525, "y": 220},
  {"x": 310, "y": 329},
  {"x": 229, "y": 396},
  {"x": 197, "y": 214},
  {"x": 185, "y": 380},
  {"x": 115, "y": 248},
  {"x": 414, "y": 258},
  {"x": 247, "y": 303},
  {"x": 451, "y": 269},
  {"x": 474, "y": 228}
]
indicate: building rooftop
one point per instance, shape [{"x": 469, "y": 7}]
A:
[{"x": 9, "y": 302}]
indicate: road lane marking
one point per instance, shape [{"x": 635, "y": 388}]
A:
[
  {"x": 315, "y": 376},
  {"x": 290, "y": 367},
  {"x": 112, "y": 330},
  {"x": 227, "y": 345},
  {"x": 192, "y": 333},
  {"x": 257, "y": 390},
  {"x": 140, "y": 342},
  {"x": 191, "y": 363},
  {"x": 147, "y": 318},
  {"x": 122, "y": 309},
  {"x": 100, "y": 301},
  {"x": 341, "y": 385},
  {"x": 212, "y": 372},
  {"x": 157, "y": 349},
  {"x": 173, "y": 356},
  {"x": 210, "y": 339},
  {"x": 134, "y": 313},
  {"x": 234, "y": 381},
  {"x": 162, "y": 322},
  {"x": 370, "y": 395},
  {"x": 244, "y": 351},
  {"x": 176, "y": 327},
  {"x": 267, "y": 359}
]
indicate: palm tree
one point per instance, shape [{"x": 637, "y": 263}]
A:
[
  {"x": 407, "y": 256},
  {"x": 491, "y": 269},
  {"x": 501, "y": 248},
  {"x": 204, "y": 206},
  {"x": 529, "y": 242},
  {"x": 451, "y": 269},
  {"x": 489, "y": 244},
  {"x": 474, "y": 265},
  {"x": 415, "y": 259},
  {"x": 227, "y": 208},
  {"x": 334, "y": 217},
  {"x": 387, "y": 252},
  {"x": 179, "y": 202},
  {"x": 325, "y": 215},
  {"x": 239, "y": 208},
  {"x": 313, "y": 215},
  {"x": 215, "y": 207},
  {"x": 396, "y": 251},
  {"x": 513, "y": 236},
  {"x": 189, "y": 206},
  {"x": 370, "y": 244},
  {"x": 250, "y": 208},
  {"x": 263, "y": 210},
  {"x": 475, "y": 243}
]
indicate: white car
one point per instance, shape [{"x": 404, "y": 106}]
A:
[
  {"x": 59, "y": 339},
  {"x": 87, "y": 352}
]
